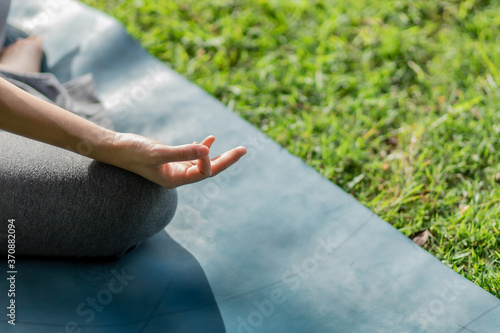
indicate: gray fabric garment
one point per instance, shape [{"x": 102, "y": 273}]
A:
[
  {"x": 78, "y": 95},
  {"x": 4, "y": 10},
  {"x": 65, "y": 204}
]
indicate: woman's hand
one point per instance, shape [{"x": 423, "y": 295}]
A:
[{"x": 170, "y": 166}]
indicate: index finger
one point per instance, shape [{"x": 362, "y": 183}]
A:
[{"x": 204, "y": 164}]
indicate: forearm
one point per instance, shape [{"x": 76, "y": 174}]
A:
[
  {"x": 168, "y": 166},
  {"x": 29, "y": 116}
]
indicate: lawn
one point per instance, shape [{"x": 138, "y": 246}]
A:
[{"x": 397, "y": 102}]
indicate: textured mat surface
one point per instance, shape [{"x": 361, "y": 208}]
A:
[{"x": 269, "y": 246}]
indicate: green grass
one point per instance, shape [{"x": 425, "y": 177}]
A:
[{"x": 397, "y": 102}]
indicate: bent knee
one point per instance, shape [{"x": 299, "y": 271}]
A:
[
  {"x": 129, "y": 209},
  {"x": 67, "y": 205}
]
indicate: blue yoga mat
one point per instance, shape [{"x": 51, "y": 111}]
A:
[{"x": 267, "y": 246}]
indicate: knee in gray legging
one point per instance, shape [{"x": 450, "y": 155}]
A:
[{"x": 68, "y": 205}]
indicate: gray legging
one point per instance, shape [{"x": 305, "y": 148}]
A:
[
  {"x": 4, "y": 10},
  {"x": 65, "y": 204}
]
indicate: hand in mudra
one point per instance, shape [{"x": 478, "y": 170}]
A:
[{"x": 171, "y": 166}]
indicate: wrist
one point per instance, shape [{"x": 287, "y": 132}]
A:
[{"x": 102, "y": 146}]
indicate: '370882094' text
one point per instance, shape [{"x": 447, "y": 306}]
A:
[{"x": 11, "y": 270}]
